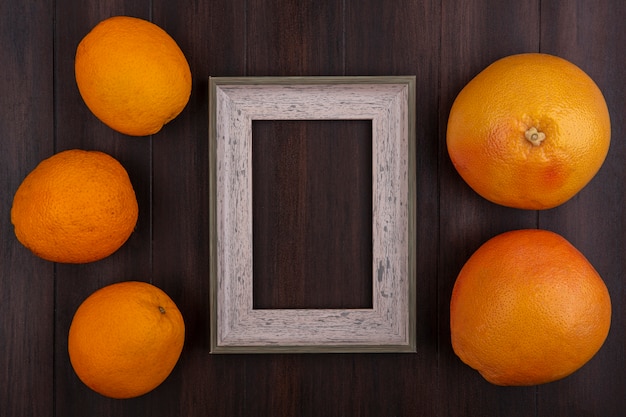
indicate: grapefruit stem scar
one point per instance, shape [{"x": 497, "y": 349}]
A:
[
  {"x": 529, "y": 131},
  {"x": 534, "y": 136}
]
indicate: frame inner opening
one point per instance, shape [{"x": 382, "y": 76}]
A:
[{"x": 312, "y": 214}]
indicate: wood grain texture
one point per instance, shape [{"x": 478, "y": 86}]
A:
[
  {"x": 26, "y": 284},
  {"x": 593, "y": 220},
  {"x": 212, "y": 35},
  {"x": 444, "y": 43},
  {"x": 471, "y": 40},
  {"x": 77, "y": 128}
]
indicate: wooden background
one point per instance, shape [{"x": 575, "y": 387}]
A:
[{"x": 444, "y": 43}]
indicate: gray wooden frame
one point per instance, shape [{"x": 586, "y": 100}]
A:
[{"x": 389, "y": 102}]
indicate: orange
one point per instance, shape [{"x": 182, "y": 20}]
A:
[
  {"x": 125, "y": 339},
  {"x": 75, "y": 207},
  {"x": 529, "y": 131},
  {"x": 132, "y": 75},
  {"x": 528, "y": 308}
]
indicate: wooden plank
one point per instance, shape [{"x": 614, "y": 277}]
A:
[
  {"x": 27, "y": 282},
  {"x": 294, "y": 38},
  {"x": 401, "y": 38},
  {"x": 592, "y": 37},
  {"x": 474, "y": 35},
  {"x": 77, "y": 127},
  {"x": 289, "y": 38},
  {"x": 212, "y": 37}
]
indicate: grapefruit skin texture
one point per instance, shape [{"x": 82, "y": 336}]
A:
[{"x": 528, "y": 308}]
